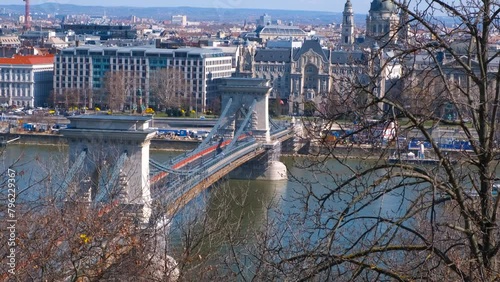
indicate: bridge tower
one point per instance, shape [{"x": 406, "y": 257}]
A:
[
  {"x": 252, "y": 94},
  {"x": 243, "y": 92},
  {"x": 109, "y": 162}
]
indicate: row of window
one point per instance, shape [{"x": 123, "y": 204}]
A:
[
  {"x": 72, "y": 78},
  {"x": 21, "y": 103},
  {"x": 17, "y": 78},
  {"x": 71, "y": 59},
  {"x": 128, "y": 60},
  {"x": 219, "y": 62},
  {"x": 19, "y": 91},
  {"x": 74, "y": 68},
  {"x": 272, "y": 68},
  {"x": 223, "y": 68}
]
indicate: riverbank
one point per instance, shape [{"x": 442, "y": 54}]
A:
[
  {"x": 58, "y": 140},
  {"x": 160, "y": 144},
  {"x": 348, "y": 151}
]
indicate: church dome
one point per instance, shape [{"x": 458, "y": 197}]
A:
[{"x": 382, "y": 6}]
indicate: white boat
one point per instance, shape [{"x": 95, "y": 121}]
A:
[
  {"x": 410, "y": 158},
  {"x": 494, "y": 191}
]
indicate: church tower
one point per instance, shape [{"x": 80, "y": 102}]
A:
[
  {"x": 348, "y": 25},
  {"x": 403, "y": 23}
]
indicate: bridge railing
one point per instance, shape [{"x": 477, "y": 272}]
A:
[
  {"x": 182, "y": 184},
  {"x": 193, "y": 153}
]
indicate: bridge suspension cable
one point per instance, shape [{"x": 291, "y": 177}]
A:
[
  {"x": 274, "y": 124},
  {"x": 243, "y": 125},
  {"x": 204, "y": 144},
  {"x": 216, "y": 127},
  {"x": 77, "y": 165},
  {"x": 108, "y": 187},
  {"x": 164, "y": 168}
]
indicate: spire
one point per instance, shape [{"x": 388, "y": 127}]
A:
[
  {"x": 348, "y": 24},
  {"x": 403, "y": 22}
]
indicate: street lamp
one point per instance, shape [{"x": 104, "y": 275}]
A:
[{"x": 196, "y": 104}]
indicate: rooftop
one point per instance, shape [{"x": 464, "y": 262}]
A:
[
  {"x": 148, "y": 50},
  {"x": 280, "y": 30},
  {"x": 313, "y": 45},
  {"x": 273, "y": 55},
  {"x": 28, "y": 60}
]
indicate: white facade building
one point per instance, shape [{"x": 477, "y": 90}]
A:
[
  {"x": 26, "y": 81},
  {"x": 179, "y": 20}
]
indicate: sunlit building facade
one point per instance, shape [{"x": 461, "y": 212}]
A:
[
  {"x": 26, "y": 81},
  {"x": 84, "y": 69}
]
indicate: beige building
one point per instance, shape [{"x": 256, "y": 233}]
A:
[{"x": 179, "y": 20}]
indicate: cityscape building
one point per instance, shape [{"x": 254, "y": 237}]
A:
[
  {"x": 105, "y": 31},
  {"x": 272, "y": 31},
  {"x": 26, "y": 81},
  {"x": 305, "y": 74},
  {"x": 301, "y": 67},
  {"x": 84, "y": 68},
  {"x": 9, "y": 46},
  {"x": 179, "y": 20},
  {"x": 264, "y": 20},
  {"x": 348, "y": 25}
]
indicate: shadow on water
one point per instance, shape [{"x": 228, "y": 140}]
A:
[{"x": 235, "y": 208}]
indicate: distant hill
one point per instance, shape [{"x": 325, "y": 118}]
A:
[{"x": 194, "y": 14}]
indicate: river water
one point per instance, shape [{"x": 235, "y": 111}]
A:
[
  {"x": 36, "y": 164},
  {"x": 244, "y": 205}
]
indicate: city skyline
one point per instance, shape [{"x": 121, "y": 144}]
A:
[{"x": 359, "y": 6}]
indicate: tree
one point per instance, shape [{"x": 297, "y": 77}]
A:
[
  {"x": 117, "y": 87},
  {"x": 68, "y": 98},
  {"x": 61, "y": 236},
  {"x": 404, "y": 221},
  {"x": 169, "y": 87}
]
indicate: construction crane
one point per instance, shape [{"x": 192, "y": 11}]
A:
[{"x": 27, "y": 23}]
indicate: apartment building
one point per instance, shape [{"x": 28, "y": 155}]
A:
[
  {"x": 26, "y": 81},
  {"x": 179, "y": 20},
  {"x": 84, "y": 68}
]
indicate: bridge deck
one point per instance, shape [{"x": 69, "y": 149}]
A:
[
  {"x": 190, "y": 174},
  {"x": 209, "y": 180}
]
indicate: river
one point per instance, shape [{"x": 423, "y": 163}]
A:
[{"x": 243, "y": 205}]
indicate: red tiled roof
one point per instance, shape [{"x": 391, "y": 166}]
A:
[{"x": 28, "y": 60}]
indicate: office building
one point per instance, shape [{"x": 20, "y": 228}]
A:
[{"x": 84, "y": 68}]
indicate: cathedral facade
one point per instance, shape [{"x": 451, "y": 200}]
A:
[
  {"x": 312, "y": 74},
  {"x": 305, "y": 75}
]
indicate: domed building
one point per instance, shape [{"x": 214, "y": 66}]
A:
[{"x": 382, "y": 22}]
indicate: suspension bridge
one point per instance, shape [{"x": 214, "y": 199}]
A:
[{"x": 109, "y": 155}]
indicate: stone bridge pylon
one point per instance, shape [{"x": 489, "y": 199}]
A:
[
  {"x": 109, "y": 162},
  {"x": 246, "y": 101}
]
